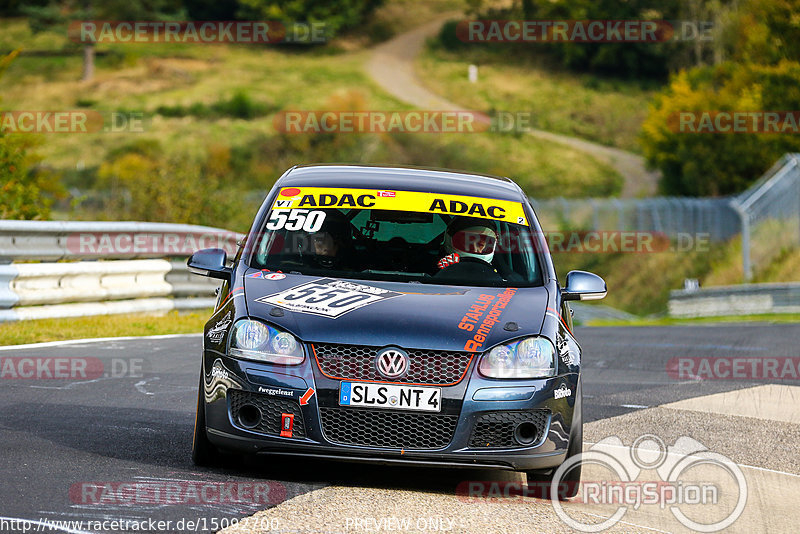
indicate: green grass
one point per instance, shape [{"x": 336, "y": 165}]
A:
[
  {"x": 41, "y": 330},
  {"x": 640, "y": 283},
  {"x": 606, "y": 111},
  {"x": 669, "y": 321},
  {"x": 146, "y": 77}
]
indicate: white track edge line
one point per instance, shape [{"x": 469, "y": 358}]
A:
[
  {"x": 62, "y": 343},
  {"x": 756, "y": 468}
]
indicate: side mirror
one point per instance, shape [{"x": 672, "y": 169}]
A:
[
  {"x": 584, "y": 286},
  {"x": 210, "y": 262}
]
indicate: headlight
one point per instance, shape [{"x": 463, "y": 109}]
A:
[
  {"x": 532, "y": 357},
  {"x": 255, "y": 340}
]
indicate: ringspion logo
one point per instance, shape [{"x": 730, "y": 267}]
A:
[{"x": 703, "y": 490}]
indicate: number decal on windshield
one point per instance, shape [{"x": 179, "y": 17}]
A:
[{"x": 292, "y": 220}]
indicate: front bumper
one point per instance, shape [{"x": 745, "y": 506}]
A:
[{"x": 476, "y": 408}]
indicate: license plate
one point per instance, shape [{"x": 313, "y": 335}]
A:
[{"x": 390, "y": 396}]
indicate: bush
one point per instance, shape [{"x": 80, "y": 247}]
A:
[
  {"x": 623, "y": 60},
  {"x": 240, "y": 106},
  {"x": 337, "y": 15},
  {"x": 27, "y": 193},
  {"x": 146, "y": 186}
]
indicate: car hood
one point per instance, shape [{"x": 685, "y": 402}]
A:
[{"x": 408, "y": 315}]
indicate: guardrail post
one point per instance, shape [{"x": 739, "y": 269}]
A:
[{"x": 744, "y": 218}]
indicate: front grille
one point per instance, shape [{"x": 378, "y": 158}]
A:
[
  {"x": 357, "y": 362},
  {"x": 379, "y": 428},
  {"x": 496, "y": 429},
  {"x": 271, "y": 409}
]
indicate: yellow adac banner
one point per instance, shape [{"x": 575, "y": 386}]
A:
[{"x": 337, "y": 197}]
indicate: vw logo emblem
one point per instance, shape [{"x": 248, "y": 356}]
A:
[{"x": 391, "y": 362}]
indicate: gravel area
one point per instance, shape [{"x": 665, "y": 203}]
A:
[{"x": 745, "y": 440}]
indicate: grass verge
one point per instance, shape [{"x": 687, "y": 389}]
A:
[
  {"x": 42, "y": 330},
  {"x": 669, "y": 321},
  {"x": 176, "y": 77},
  {"x": 606, "y": 111}
]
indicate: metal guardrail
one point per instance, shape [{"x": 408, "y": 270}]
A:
[
  {"x": 735, "y": 300},
  {"x": 72, "y": 269},
  {"x": 60, "y": 240}
]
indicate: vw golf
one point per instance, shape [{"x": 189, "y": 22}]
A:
[{"x": 393, "y": 315}]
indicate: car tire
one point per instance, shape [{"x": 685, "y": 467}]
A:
[
  {"x": 204, "y": 454},
  {"x": 575, "y": 447}
]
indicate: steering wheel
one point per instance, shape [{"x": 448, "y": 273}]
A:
[{"x": 469, "y": 269}]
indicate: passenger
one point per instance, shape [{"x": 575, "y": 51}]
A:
[{"x": 331, "y": 243}]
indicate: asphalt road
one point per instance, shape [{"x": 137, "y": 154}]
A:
[{"x": 130, "y": 420}]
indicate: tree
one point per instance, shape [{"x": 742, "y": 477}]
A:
[
  {"x": 57, "y": 15},
  {"x": 336, "y": 14},
  {"x": 713, "y": 164},
  {"x": 761, "y": 42}
]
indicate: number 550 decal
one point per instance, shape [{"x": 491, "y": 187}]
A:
[{"x": 295, "y": 220}]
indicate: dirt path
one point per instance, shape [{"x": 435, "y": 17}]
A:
[{"x": 392, "y": 67}]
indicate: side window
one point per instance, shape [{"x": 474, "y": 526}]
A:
[{"x": 271, "y": 243}]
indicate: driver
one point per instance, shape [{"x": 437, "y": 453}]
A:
[
  {"x": 329, "y": 244},
  {"x": 468, "y": 239}
]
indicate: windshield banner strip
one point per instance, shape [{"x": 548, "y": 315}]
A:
[{"x": 334, "y": 197}]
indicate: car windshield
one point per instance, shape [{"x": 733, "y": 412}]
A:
[{"x": 398, "y": 236}]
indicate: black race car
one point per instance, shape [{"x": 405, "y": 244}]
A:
[{"x": 393, "y": 315}]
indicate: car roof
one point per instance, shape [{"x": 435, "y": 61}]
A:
[{"x": 403, "y": 179}]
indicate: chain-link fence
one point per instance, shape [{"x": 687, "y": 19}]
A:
[
  {"x": 668, "y": 215},
  {"x": 770, "y": 214},
  {"x": 767, "y": 215}
]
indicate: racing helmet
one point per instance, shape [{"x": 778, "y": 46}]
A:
[{"x": 470, "y": 238}]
